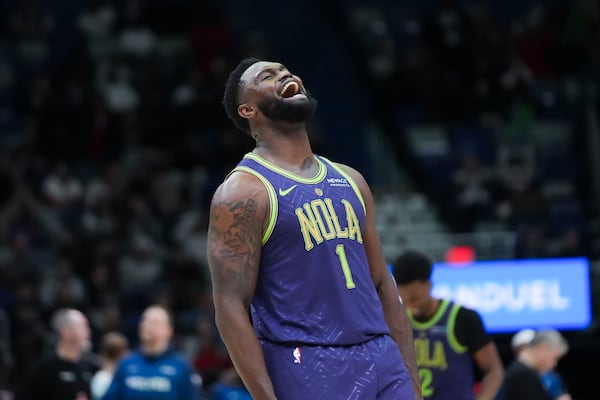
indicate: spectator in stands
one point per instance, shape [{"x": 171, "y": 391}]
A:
[
  {"x": 472, "y": 186},
  {"x": 156, "y": 370},
  {"x": 520, "y": 199},
  {"x": 99, "y": 219},
  {"x": 120, "y": 96},
  {"x": 62, "y": 188},
  {"x": 6, "y": 357},
  {"x": 551, "y": 380},
  {"x": 140, "y": 270},
  {"x": 62, "y": 287},
  {"x": 30, "y": 21},
  {"x": 531, "y": 242},
  {"x": 28, "y": 330},
  {"x": 98, "y": 20},
  {"x": 571, "y": 244},
  {"x": 211, "y": 357},
  {"x": 522, "y": 380},
  {"x": 136, "y": 39},
  {"x": 190, "y": 234}
]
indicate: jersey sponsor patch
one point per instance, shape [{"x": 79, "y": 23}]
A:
[{"x": 338, "y": 182}]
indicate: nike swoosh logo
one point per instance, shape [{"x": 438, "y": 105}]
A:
[{"x": 286, "y": 191}]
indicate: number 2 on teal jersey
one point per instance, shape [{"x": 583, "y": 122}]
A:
[
  {"x": 426, "y": 380},
  {"x": 341, "y": 253}
]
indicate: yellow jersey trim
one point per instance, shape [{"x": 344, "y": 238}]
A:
[
  {"x": 456, "y": 346},
  {"x": 436, "y": 317},
  {"x": 269, "y": 165},
  {"x": 274, "y": 209}
]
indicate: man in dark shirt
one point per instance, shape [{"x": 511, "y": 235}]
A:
[
  {"x": 541, "y": 354},
  {"x": 62, "y": 375}
]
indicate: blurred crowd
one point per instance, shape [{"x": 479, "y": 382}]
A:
[
  {"x": 112, "y": 139},
  {"x": 488, "y": 105}
]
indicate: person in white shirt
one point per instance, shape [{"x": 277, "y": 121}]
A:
[{"x": 114, "y": 346}]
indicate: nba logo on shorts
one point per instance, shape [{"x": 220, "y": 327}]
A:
[{"x": 297, "y": 355}]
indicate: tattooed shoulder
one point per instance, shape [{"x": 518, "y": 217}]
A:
[
  {"x": 233, "y": 225},
  {"x": 234, "y": 243}
]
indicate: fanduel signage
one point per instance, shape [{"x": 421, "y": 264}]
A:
[{"x": 512, "y": 295}]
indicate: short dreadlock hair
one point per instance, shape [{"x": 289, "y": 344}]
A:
[
  {"x": 412, "y": 266},
  {"x": 231, "y": 94}
]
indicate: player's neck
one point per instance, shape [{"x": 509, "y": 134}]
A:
[
  {"x": 279, "y": 133},
  {"x": 280, "y": 128},
  {"x": 285, "y": 151},
  {"x": 64, "y": 351},
  {"x": 434, "y": 305}
]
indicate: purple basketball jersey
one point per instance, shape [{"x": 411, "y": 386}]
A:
[
  {"x": 445, "y": 366},
  {"x": 314, "y": 284},
  {"x": 373, "y": 370}
]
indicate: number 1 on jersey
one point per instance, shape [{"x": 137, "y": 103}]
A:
[{"x": 341, "y": 253}]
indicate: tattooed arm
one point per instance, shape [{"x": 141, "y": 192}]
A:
[
  {"x": 393, "y": 309},
  {"x": 237, "y": 215}
]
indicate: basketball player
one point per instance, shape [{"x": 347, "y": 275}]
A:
[
  {"x": 302, "y": 296},
  {"x": 449, "y": 339}
]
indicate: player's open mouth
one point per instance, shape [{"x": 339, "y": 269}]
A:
[{"x": 290, "y": 89}]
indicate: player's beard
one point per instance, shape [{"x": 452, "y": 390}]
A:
[{"x": 292, "y": 111}]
